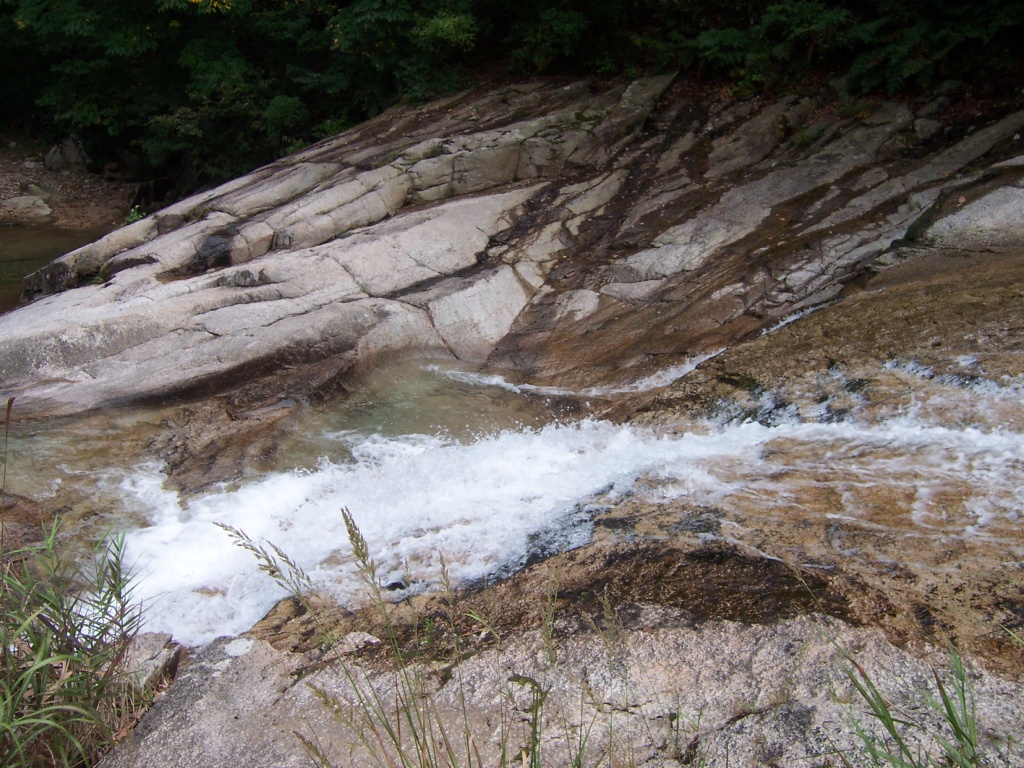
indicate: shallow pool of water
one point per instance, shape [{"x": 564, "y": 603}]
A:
[
  {"x": 403, "y": 399},
  {"x": 79, "y": 464},
  {"x": 26, "y": 248}
]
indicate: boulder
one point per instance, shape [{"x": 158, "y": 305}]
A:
[
  {"x": 223, "y": 709},
  {"x": 69, "y": 155},
  {"x": 775, "y": 693},
  {"x": 925, "y": 128},
  {"x": 992, "y": 222},
  {"x": 456, "y": 228},
  {"x": 43, "y": 191},
  {"x": 27, "y": 206}
]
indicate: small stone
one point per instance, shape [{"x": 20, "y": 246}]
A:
[
  {"x": 894, "y": 147},
  {"x": 356, "y": 641},
  {"x": 898, "y": 115},
  {"x": 933, "y": 107},
  {"x": 925, "y": 128},
  {"x": 243, "y": 278},
  {"x": 150, "y": 656},
  {"x": 42, "y": 191},
  {"x": 840, "y": 86}
]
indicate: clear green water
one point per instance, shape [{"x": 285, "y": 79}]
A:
[
  {"x": 405, "y": 398},
  {"x": 26, "y": 248}
]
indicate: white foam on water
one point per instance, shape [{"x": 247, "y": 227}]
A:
[
  {"x": 482, "y": 505},
  {"x": 792, "y": 318},
  {"x": 656, "y": 380},
  {"x": 479, "y": 504},
  {"x": 666, "y": 376},
  {"x": 787, "y": 320}
]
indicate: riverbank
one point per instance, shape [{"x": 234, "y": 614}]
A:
[
  {"x": 77, "y": 200},
  {"x": 47, "y": 213}
]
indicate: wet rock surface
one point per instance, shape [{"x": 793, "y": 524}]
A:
[
  {"x": 23, "y": 522},
  {"x": 571, "y": 233},
  {"x": 624, "y": 652}
]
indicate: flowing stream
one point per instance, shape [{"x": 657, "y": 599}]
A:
[{"x": 432, "y": 460}]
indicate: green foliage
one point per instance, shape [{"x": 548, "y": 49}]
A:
[
  {"x": 200, "y": 90},
  {"x": 18, "y": 94},
  {"x": 917, "y": 43},
  {"x": 64, "y": 632},
  {"x": 134, "y": 215},
  {"x": 447, "y": 30},
  {"x": 556, "y": 35},
  {"x": 203, "y": 89},
  {"x": 883, "y": 45},
  {"x": 402, "y": 48}
]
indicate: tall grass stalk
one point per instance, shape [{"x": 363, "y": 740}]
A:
[
  {"x": 396, "y": 718},
  {"x": 276, "y": 563},
  {"x": 3, "y": 483},
  {"x": 613, "y": 636},
  {"x": 64, "y": 633},
  {"x": 407, "y": 731}
]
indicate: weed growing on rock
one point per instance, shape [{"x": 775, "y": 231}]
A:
[
  {"x": 135, "y": 214},
  {"x": 904, "y": 735},
  {"x": 64, "y": 633},
  {"x": 402, "y": 718},
  {"x": 395, "y": 720},
  {"x": 276, "y": 563}
]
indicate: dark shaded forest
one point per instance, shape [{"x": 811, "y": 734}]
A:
[{"x": 199, "y": 90}]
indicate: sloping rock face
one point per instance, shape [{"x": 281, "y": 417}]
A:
[
  {"x": 739, "y": 676},
  {"x": 378, "y": 241},
  {"x": 577, "y": 233}
]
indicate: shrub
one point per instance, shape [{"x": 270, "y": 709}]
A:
[
  {"x": 206, "y": 89},
  {"x": 64, "y": 632}
]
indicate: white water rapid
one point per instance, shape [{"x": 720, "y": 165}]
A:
[{"x": 488, "y": 503}]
